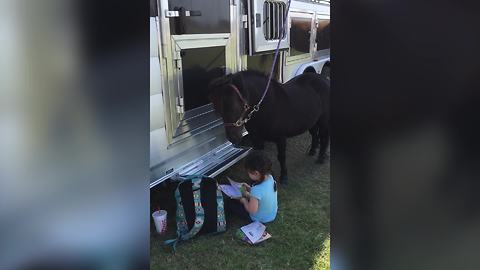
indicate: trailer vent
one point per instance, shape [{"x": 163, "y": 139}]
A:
[
  {"x": 265, "y": 23},
  {"x": 273, "y": 14}
]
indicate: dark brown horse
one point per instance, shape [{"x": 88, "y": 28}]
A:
[{"x": 288, "y": 110}]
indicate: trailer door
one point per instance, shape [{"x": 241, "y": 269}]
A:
[{"x": 198, "y": 47}]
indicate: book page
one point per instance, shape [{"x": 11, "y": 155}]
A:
[
  {"x": 233, "y": 183},
  {"x": 264, "y": 237},
  {"x": 253, "y": 231},
  {"x": 231, "y": 191}
]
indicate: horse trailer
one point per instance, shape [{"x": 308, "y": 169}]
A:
[{"x": 194, "y": 42}]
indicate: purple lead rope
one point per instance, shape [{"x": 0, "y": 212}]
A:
[
  {"x": 256, "y": 108},
  {"x": 285, "y": 23}
]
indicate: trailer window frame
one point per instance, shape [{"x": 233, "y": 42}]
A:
[
  {"x": 295, "y": 13},
  {"x": 320, "y": 17},
  {"x": 176, "y": 91}
]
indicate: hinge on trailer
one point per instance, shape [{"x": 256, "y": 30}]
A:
[
  {"x": 177, "y": 59},
  {"x": 178, "y": 63},
  {"x": 233, "y": 2},
  {"x": 245, "y": 21},
  {"x": 180, "y": 105},
  {"x": 182, "y": 12},
  {"x": 172, "y": 13}
]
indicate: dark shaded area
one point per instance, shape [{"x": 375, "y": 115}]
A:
[
  {"x": 323, "y": 35},
  {"x": 210, "y": 17},
  {"x": 153, "y": 8},
  {"x": 102, "y": 35},
  {"x": 405, "y": 149},
  {"x": 90, "y": 62},
  {"x": 199, "y": 68}
]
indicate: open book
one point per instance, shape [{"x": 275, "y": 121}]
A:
[
  {"x": 253, "y": 233},
  {"x": 232, "y": 190}
]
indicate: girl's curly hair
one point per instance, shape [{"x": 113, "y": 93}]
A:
[{"x": 258, "y": 161}]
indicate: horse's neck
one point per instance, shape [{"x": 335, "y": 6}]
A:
[
  {"x": 275, "y": 106},
  {"x": 276, "y": 94}
]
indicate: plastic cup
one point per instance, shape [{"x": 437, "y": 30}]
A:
[{"x": 160, "y": 219}]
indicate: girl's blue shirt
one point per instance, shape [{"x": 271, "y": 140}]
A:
[{"x": 267, "y": 201}]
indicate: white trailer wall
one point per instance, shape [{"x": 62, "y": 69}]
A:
[{"x": 158, "y": 136}]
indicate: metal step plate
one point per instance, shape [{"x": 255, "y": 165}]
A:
[{"x": 211, "y": 164}]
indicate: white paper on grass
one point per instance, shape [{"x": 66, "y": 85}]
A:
[{"x": 253, "y": 231}]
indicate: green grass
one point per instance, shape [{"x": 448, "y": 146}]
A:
[{"x": 300, "y": 233}]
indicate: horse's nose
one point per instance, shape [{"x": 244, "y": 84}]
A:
[{"x": 235, "y": 140}]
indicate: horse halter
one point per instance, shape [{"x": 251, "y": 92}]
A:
[{"x": 242, "y": 120}]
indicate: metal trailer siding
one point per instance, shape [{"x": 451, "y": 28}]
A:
[{"x": 185, "y": 135}]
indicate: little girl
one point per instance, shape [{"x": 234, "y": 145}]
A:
[{"x": 259, "y": 202}]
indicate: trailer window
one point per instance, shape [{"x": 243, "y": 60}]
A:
[
  {"x": 323, "y": 35},
  {"x": 300, "y": 36},
  {"x": 200, "y": 66}
]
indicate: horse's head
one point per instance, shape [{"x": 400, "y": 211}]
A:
[{"x": 229, "y": 103}]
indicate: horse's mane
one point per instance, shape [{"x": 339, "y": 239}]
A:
[
  {"x": 254, "y": 73},
  {"x": 257, "y": 74},
  {"x": 239, "y": 79}
]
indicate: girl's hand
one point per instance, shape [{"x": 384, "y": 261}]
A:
[
  {"x": 247, "y": 187},
  {"x": 244, "y": 192}
]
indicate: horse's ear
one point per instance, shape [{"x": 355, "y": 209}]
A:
[
  {"x": 215, "y": 94},
  {"x": 219, "y": 82},
  {"x": 215, "y": 91}
]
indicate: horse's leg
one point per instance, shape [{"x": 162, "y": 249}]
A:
[
  {"x": 282, "y": 149},
  {"x": 315, "y": 136},
  {"x": 324, "y": 141}
]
